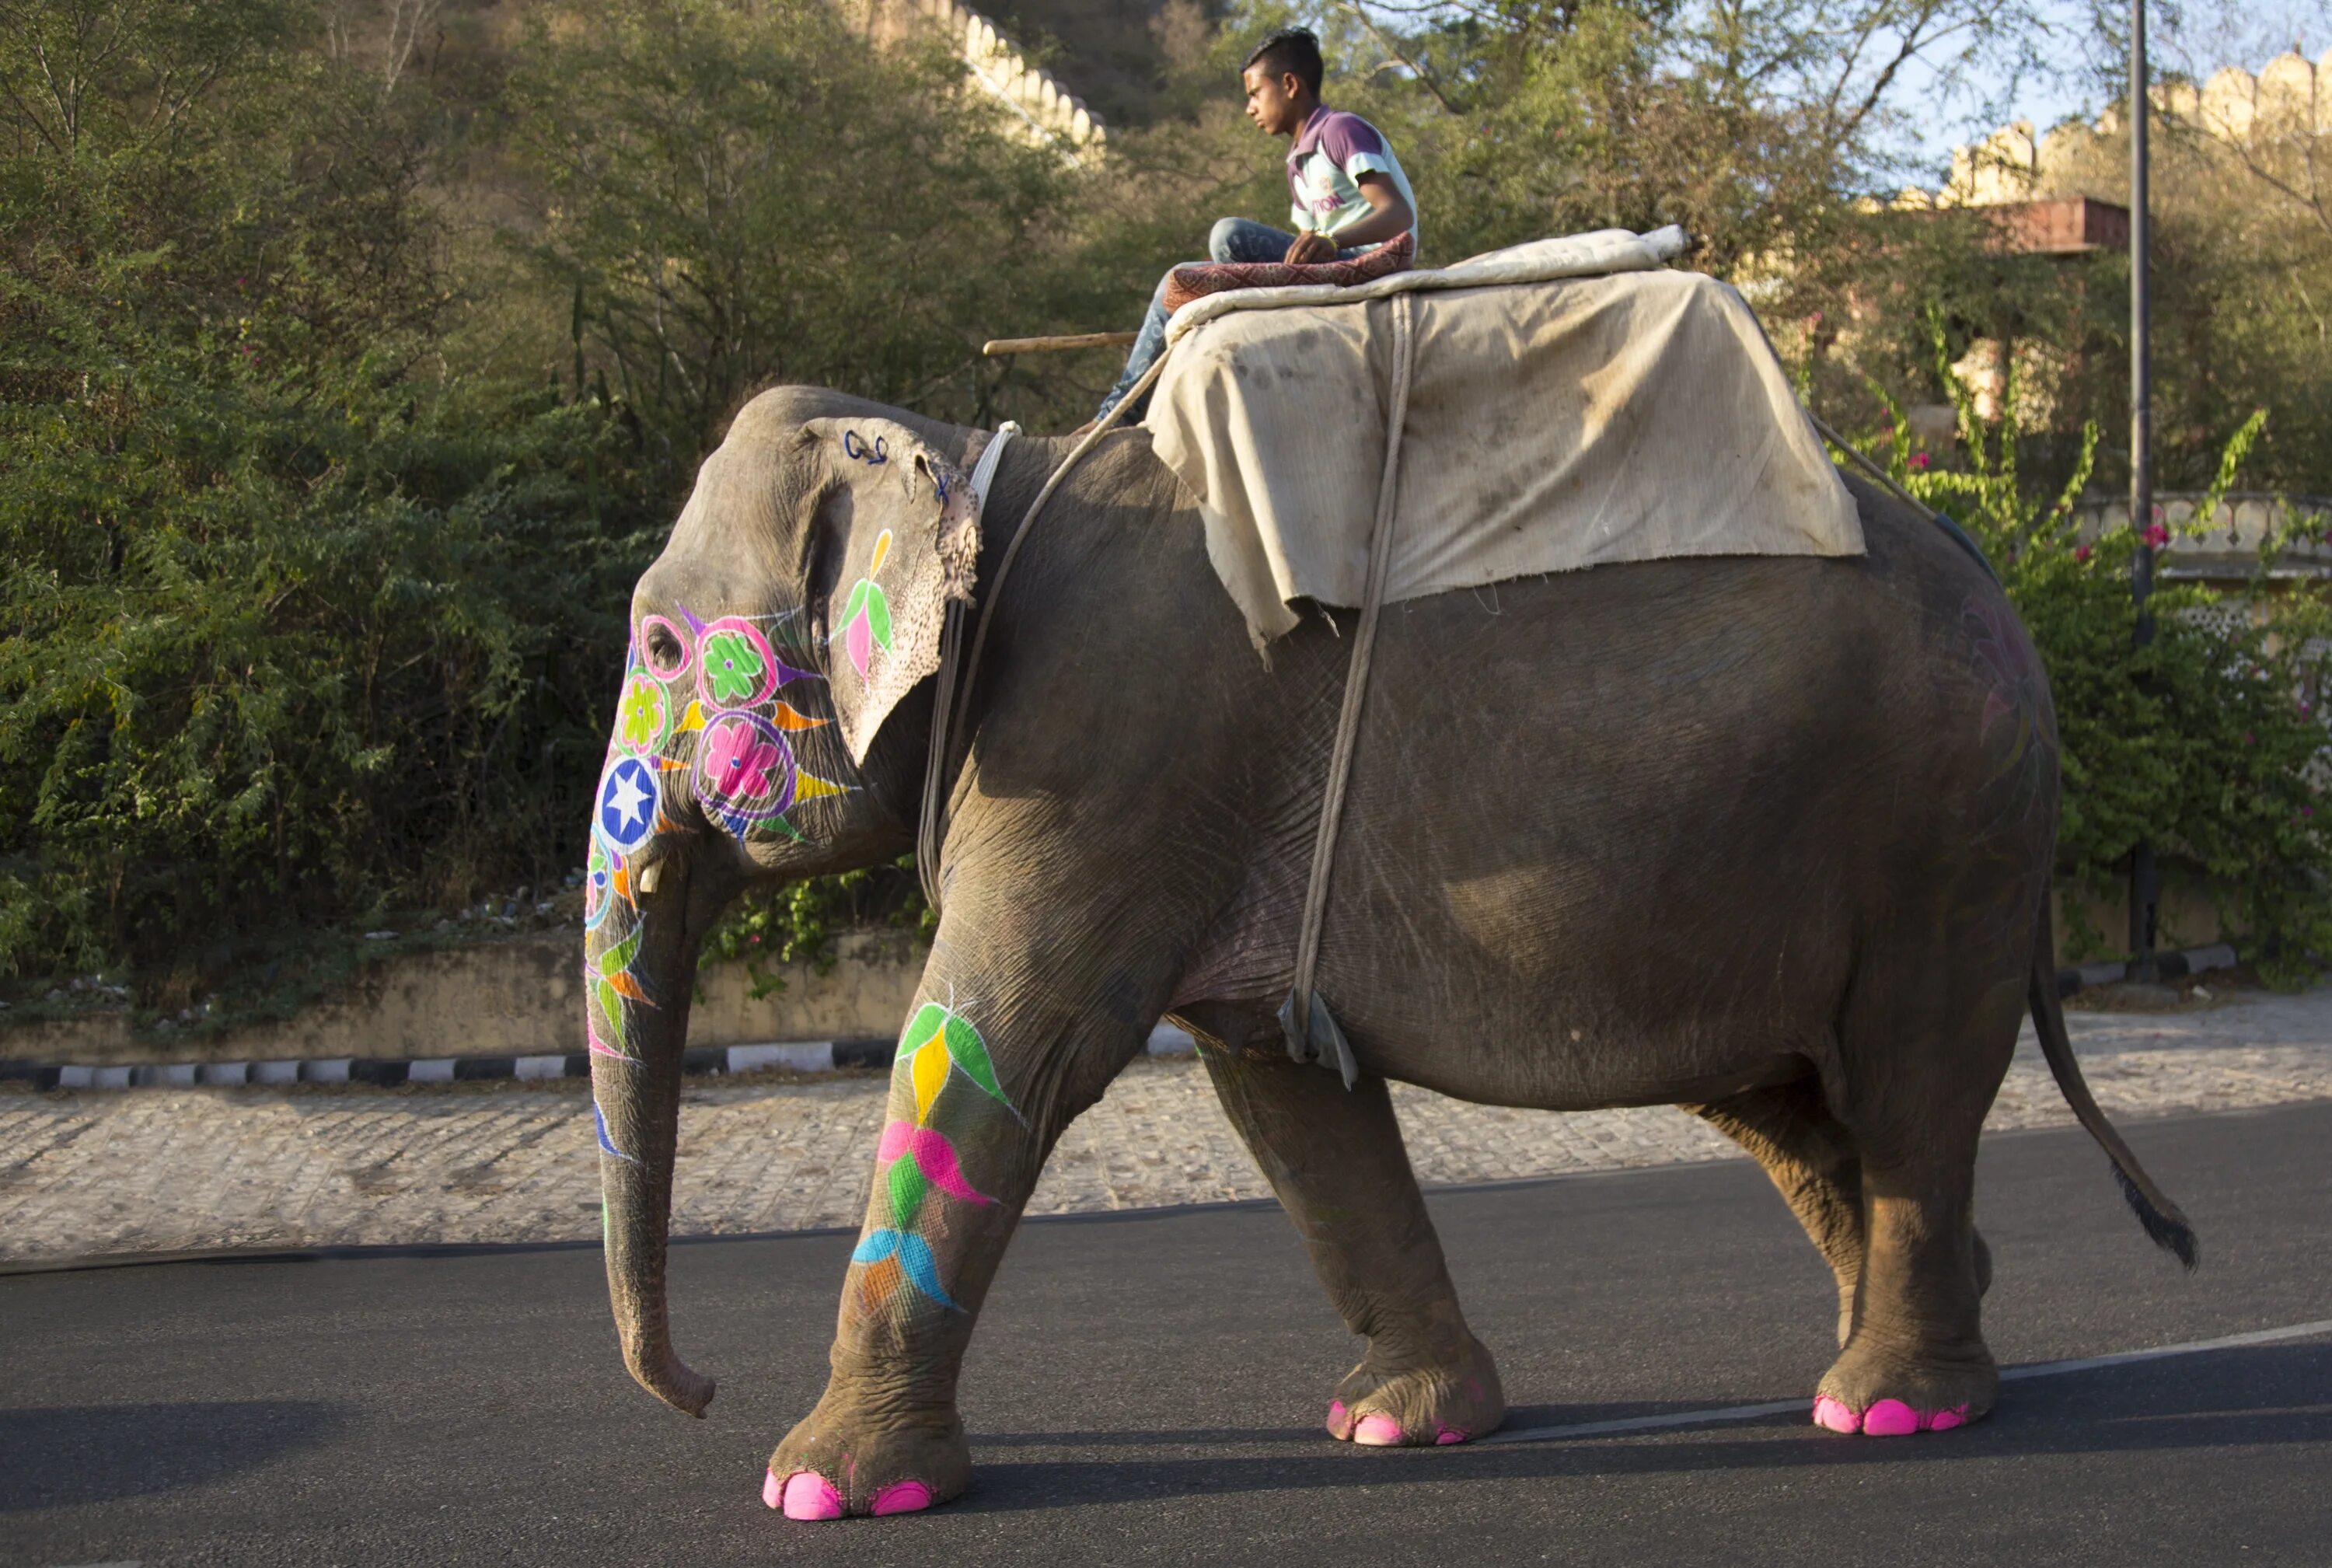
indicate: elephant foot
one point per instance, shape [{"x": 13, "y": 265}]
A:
[
  {"x": 1883, "y": 1396},
  {"x": 1378, "y": 1407},
  {"x": 836, "y": 1465}
]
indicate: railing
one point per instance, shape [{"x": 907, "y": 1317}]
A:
[{"x": 2228, "y": 543}]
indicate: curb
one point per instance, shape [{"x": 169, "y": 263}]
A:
[
  {"x": 803, "y": 1057},
  {"x": 2169, "y": 966}
]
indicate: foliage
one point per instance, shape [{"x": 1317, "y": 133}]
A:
[
  {"x": 301, "y": 630},
  {"x": 797, "y": 921},
  {"x": 740, "y": 193},
  {"x": 354, "y": 353},
  {"x": 2205, "y": 740}
]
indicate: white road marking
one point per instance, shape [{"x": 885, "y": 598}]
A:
[{"x": 2047, "y": 1369}]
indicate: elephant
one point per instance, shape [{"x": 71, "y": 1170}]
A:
[{"x": 1766, "y": 838}]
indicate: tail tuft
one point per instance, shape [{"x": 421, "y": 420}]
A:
[{"x": 2169, "y": 1231}]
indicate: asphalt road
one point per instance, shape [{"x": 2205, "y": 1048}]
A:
[{"x": 1147, "y": 1389}]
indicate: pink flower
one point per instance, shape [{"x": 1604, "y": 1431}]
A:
[
  {"x": 1920, "y": 460},
  {"x": 2249, "y": 739},
  {"x": 2081, "y": 552},
  {"x": 739, "y": 760},
  {"x": 2156, "y": 535}
]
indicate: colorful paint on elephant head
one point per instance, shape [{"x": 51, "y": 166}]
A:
[
  {"x": 699, "y": 707},
  {"x": 866, "y": 613},
  {"x": 715, "y": 687},
  {"x": 938, "y": 1047}
]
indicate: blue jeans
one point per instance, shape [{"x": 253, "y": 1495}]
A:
[{"x": 1232, "y": 240}]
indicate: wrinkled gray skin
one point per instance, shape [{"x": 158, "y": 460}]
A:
[{"x": 1766, "y": 837}]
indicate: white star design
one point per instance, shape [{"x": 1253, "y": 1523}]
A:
[{"x": 627, "y": 798}]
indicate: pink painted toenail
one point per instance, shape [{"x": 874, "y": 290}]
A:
[
  {"x": 903, "y": 1497},
  {"x": 1890, "y": 1419},
  {"x": 1448, "y": 1435},
  {"x": 1944, "y": 1421},
  {"x": 1335, "y": 1417},
  {"x": 809, "y": 1495},
  {"x": 1377, "y": 1432},
  {"x": 1833, "y": 1415},
  {"x": 772, "y": 1489}
]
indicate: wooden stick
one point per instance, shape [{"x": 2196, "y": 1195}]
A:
[{"x": 999, "y": 347}]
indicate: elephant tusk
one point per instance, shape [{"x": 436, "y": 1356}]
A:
[{"x": 646, "y": 881}]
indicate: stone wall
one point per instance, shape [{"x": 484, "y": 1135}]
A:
[
  {"x": 521, "y": 997},
  {"x": 2290, "y": 95},
  {"x": 1032, "y": 94}
]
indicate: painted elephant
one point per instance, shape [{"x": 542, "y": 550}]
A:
[{"x": 1768, "y": 838}]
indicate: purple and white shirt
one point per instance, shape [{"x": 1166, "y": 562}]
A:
[{"x": 1331, "y": 153}]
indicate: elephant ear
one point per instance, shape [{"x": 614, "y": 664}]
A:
[{"x": 903, "y": 524}]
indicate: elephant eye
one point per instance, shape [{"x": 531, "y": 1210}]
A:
[{"x": 662, "y": 647}]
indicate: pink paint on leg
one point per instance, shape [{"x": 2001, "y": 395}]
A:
[
  {"x": 903, "y": 1497},
  {"x": 1377, "y": 1432},
  {"x": 772, "y": 1489},
  {"x": 1890, "y": 1419},
  {"x": 809, "y": 1495},
  {"x": 935, "y": 1156},
  {"x": 1336, "y": 1427},
  {"x": 1832, "y": 1415},
  {"x": 1944, "y": 1421},
  {"x": 1448, "y": 1435}
]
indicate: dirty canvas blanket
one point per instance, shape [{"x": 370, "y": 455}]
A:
[{"x": 1555, "y": 421}]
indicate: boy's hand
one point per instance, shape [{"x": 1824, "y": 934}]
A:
[{"x": 1309, "y": 248}]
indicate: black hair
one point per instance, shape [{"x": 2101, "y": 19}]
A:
[{"x": 1290, "y": 51}]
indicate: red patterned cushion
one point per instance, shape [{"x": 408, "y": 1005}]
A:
[{"x": 1184, "y": 284}]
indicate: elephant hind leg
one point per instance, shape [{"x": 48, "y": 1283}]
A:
[
  {"x": 1922, "y": 1050},
  {"x": 1334, "y": 1157},
  {"x": 1811, "y": 1160}
]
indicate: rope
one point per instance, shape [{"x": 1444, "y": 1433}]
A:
[
  {"x": 1959, "y": 535},
  {"x": 1311, "y": 1029},
  {"x": 958, "y": 668}
]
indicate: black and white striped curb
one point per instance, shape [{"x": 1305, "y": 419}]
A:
[{"x": 803, "y": 1057}]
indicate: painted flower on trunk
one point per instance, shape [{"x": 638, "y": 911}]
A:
[
  {"x": 866, "y": 613},
  {"x": 738, "y": 761},
  {"x": 644, "y": 713}
]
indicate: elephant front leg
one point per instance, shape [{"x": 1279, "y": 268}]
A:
[
  {"x": 960, "y": 1152},
  {"x": 1334, "y": 1157}
]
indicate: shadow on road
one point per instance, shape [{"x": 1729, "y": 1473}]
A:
[
  {"x": 2261, "y": 1395},
  {"x": 74, "y": 1454}
]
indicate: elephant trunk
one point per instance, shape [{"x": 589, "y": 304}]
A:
[{"x": 639, "y": 990}]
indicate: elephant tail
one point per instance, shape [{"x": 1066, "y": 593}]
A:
[{"x": 2163, "y": 1219}]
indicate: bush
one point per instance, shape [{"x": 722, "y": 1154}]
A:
[
  {"x": 2205, "y": 742},
  {"x": 302, "y": 626}
]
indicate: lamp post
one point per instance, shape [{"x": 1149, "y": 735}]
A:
[{"x": 2143, "y": 893}]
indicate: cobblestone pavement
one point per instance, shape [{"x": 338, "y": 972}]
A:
[{"x": 172, "y": 1169}]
